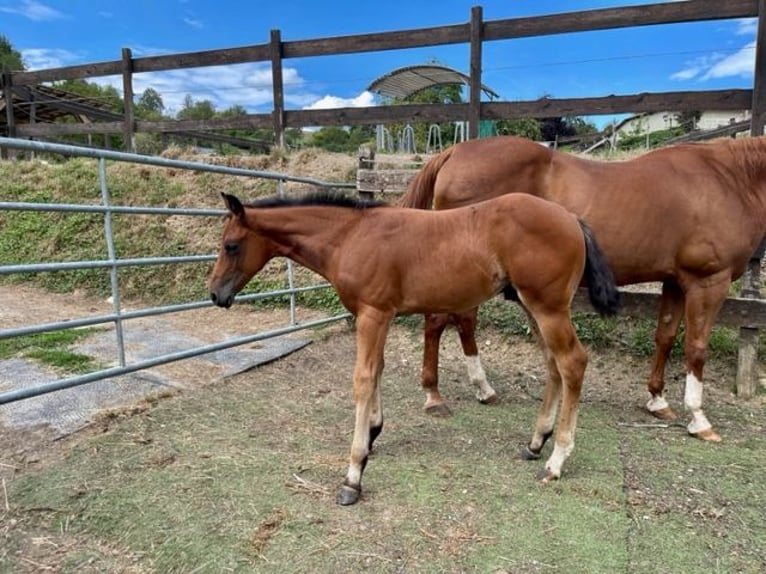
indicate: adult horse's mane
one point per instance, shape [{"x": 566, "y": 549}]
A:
[
  {"x": 750, "y": 153},
  {"x": 327, "y": 198}
]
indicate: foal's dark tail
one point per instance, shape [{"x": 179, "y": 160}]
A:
[{"x": 602, "y": 289}]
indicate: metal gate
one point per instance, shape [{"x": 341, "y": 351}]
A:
[{"x": 113, "y": 263}]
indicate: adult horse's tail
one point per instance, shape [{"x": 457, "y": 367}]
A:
[
  {"x": 602, "y": 289},
  {"x": 420, "y": 192}
]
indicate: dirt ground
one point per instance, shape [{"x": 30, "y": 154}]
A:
[
  {"x": 515, "y": 368},
  {"x": 607, "y": 380}
]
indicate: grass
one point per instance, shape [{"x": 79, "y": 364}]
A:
[
  {"x": 51, "y": 349},
  {"x": 241, "y": 476}
]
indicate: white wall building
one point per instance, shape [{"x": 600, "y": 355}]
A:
[{"x": 648, "y": 123}]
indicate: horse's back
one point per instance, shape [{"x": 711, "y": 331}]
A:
[{"x": 490, "y": 167}]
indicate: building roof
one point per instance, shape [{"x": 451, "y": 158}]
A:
[{"x": 411, "y": 79}]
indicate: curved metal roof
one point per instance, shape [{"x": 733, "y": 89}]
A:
[{"x": 411, "y": 79}]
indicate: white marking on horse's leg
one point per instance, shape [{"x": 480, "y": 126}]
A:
[
  {"x": 693, "y": 402},
  {"x": 359, "y": 446},
  {"x": 560, "y": 453},
  {"x": 656, "y": 403},
  {"x": 484, "y": 392}
]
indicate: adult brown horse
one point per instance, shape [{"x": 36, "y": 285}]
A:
[
  {"x": 384, "y": 261},
  {"x": 689, "y": 216}
]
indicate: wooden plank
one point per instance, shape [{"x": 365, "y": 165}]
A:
[
  {"x": 736, "y": 311},
  {"x": 625, "y": 17},
  {"x": 675, "y": 101},
  {"x": 384, "y": 181},
  {"x": 735, "y": 99},
  {"x": 378, "y": 41}
]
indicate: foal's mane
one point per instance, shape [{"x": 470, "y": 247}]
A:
[{"x": 320, "y": 198}]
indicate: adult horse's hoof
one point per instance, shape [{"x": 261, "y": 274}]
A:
[
  {"x": 707, "y": 435},
  {"x": 438, "y": 410},
  {"x": 529, "y": 454},
  {"x": 492, "y": 399},
  {"x": 665, "y": 414},
  {"x": 348, "y": 495},
  {"x": 546, "y": 475}
]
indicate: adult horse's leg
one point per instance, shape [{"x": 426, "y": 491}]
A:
[
  {"x": 434, "y": 326},
  {"x": 371, "y": 330},
  {"x": 567, "y": 360},
  {"x": 466, "y": 326},
  {"x": 668, "y": 321},
  {"x": 702, "y": 306}
]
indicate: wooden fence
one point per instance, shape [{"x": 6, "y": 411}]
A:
[{"x": 476, "y": 32}]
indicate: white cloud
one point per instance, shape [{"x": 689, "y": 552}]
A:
[
  {"x": 42, "y": 58},
  {"x": 247, "y": 85},
  {"x": 192, "y": 22},
  {"x": 747, "y": 27},
  {"x": 33, "y": 10},
  {"x": 363, "y": 100},
  {"x": 741, "y": 63}
]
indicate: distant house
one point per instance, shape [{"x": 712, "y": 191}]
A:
[{"x": 647, "y": 123}]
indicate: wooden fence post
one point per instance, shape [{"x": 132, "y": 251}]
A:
[
  {"x": 7, "y": 85},
  {"x": 278, "y": 87},
  {"x": 474, "y": 105},
  {"x": 127, "y": 93},
  {"x": 747, "y": 361}
]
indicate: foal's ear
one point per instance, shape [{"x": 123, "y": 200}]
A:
[{"x": 233, "y": 204}]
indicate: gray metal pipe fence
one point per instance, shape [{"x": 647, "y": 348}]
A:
[{"x": 114, "y": 264}]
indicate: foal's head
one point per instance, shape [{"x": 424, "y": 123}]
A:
[{"x": 243, "y": 253}]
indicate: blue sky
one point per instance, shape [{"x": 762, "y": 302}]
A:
[{"x": 52, "y": 33}]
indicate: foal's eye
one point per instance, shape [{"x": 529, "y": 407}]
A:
[{"x": 231, "y": 248}]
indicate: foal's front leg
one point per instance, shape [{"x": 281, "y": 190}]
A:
[{"x": 371, "y": 330}]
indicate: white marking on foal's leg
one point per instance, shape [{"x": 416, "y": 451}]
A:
[
  {"x": 693, "y": 402},
  {"x": 484, "y": 392}
]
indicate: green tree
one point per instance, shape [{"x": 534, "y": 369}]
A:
[
  {"x": 688, "y": 120},
  {"x": 150, "y": 105},
  {"x": 191, "y": 110},
  {"x": 331, "y": 138},
  {"x": 10, "y": 59},
  {"x": 525, "y": 127}
]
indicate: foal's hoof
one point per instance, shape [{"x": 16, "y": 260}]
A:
[
  {"x": 708, "y": 435},
  {"x": 438, "y": 410},
  {"x": 546, "y": 475},
  {"x": 492, "y": 399},
  {"x": 665, "y": 414},
  {"x": 528, "y": 454},
  {"x": 348, "y": 495}
]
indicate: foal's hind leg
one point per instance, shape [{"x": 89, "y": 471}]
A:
[
  {"x": 566, "y": 368},
  {"x": 466, "y": 326},
  {"x": 546, "y": 415},
  {"x": 668, "y": 321}
]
